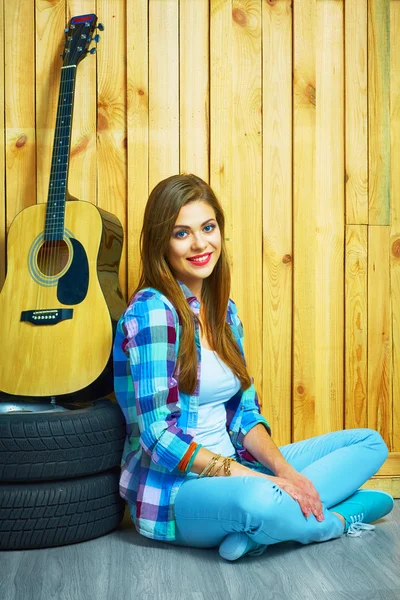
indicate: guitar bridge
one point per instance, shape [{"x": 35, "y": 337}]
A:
[{"x": 49, "y": 316}]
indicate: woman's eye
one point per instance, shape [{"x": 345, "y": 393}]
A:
[
  {"x": 209, "y": 228},
  {"x": 180, "y": 234}
]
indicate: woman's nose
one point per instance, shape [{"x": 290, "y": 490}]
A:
[{"x": 198, "y": 241}]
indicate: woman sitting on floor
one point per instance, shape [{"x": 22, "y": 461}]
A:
[{"x": 199, "y": 466}]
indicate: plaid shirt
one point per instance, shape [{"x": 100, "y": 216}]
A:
[{"x": 159, "y": 431}]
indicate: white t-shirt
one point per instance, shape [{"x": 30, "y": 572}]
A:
[{"x": 217, "y": 385}]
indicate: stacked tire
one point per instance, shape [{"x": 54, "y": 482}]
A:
[{"x": 59, "y": 474}]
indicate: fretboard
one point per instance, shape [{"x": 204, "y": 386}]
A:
[{"x": 55, "y": 211}]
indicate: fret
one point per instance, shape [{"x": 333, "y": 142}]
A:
[{"x": 55, "y": 211}]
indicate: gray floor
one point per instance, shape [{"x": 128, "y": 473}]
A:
[{"x": 125, "y": 566}]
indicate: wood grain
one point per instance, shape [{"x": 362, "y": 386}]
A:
[
  {"x": 19, "y": 59},
  {"x": 329, "y": 165},
  {"x": 49, "y": 26},
  {"x": 356, "y": 111},
  {"x": 246, "y": 161},
  {"x": 163, "y": 90},
  {"x": 395, "y": 211},
  {"x": 137, "y": 132},
  {"x": 304, "y": 220},
  {"x": 194, "y": 90},
  {"x": 197, "y": 86},
  {"x": 111, "y": 124},
  {"x": 378, "y": 111},
  {"x": 380, "y": 398},
  {"x": 356, "y": 316},
  {"x": 83, "y": 156},
  {"x": 363, "y": 568},
  {"x": 277, "y": 218}
]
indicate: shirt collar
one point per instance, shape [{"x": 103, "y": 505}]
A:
[{"x": 191, "y": 299}]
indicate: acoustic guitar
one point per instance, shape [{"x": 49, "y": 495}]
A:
[{"x": 61, "y": 298}]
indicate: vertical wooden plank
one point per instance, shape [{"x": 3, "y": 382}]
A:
[
  {"x": 356, "y": 343},
  {"x": 221, "y": 108},
  {"x": 111, "y": 123},
  {"x": 379, "y": 334},
  {"x": 329, "y": 309},
  {"x": 194, "y": 88},
  {"x": 137, "y": 134},
  {"x": 304, "y": 220},
  {"x": 246, "y": 161},
  {"x": 277, "y": 217},
  {"x": 82, "y": 165},
  {"x": 163, "y": 90},
  {"x": 19, "y": 106},
  {"x": 50, "y": 25},
  {"x": 395, "y": 211},
  {"x": 319, "y": 219},
  {"x": 356, "y": 102},
  {"x": 378, "y": 111},
  {"x": 2, "y": 158}
]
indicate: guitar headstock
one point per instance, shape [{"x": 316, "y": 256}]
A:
[{"x": 78, "y": 36}]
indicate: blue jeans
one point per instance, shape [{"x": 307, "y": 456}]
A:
[{"x": 338, "y": 463}]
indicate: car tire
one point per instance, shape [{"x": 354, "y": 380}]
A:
[
  {"x": 56, "y": 513},
  {"x": 76, "y": 441}
]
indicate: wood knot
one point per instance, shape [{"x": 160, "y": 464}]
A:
[
  {"x": 80, "y": 146},
  {"x": 271, "y": 2},
  {"x": 239, "y": 16},
  {"x": 300, "y": 390},
  {"x": 102, "y": 121},
  {"x": 396, "y": 248},
  {"x": 141, "y": 92},
  {"x": 287, "y": 259},
  {"x": 311, "y": 94},
  {"x": 21, "y": 141}
]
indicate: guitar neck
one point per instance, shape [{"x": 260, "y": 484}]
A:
[{"x": 55, "y": 212}]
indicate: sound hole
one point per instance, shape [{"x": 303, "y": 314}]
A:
[{"x": 53, "y": 257}]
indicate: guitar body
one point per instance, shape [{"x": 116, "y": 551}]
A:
[{"x": 59, "y": 308}]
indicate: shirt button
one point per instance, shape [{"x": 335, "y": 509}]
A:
[{"x": 242, "y": 407}]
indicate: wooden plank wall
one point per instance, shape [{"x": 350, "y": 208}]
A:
[{"x": 291, "y": 110}]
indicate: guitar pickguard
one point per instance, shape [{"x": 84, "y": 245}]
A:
[{"x": 73, "y": 285}]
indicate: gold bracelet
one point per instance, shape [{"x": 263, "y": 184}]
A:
[
  {"x": 219, "y": 468},
  {"x": 212, "y": 464},
  {"x": 209, "y": 466},
  {"x": 227, "y": 466}
]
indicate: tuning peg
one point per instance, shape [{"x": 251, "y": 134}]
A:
[
  {"x": 66, "y": 30},
  {"x": 97, "y": 38},
  {"x": 92, "y": 51},
  {"x": 100, "y": 26}
]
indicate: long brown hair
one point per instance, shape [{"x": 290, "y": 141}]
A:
[{"x": 161, "y": 213}]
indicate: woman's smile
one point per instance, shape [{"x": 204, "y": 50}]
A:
[{"x": 200, "y": 261}]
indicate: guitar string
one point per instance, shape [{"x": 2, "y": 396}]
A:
[
  {"x": 51, "y": 213},
  {"x": 58, "y": 178}
]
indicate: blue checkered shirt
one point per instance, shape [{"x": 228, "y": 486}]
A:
[{"x": 159, "y": 431}]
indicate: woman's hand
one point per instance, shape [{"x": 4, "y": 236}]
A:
[{"x": 301, "y": 489}]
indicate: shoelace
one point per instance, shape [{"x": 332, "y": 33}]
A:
[{"x": 357, "y": 526}]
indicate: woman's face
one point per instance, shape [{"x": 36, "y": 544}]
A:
[{"x": 195, "y": 245}]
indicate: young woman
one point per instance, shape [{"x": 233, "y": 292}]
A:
[{"x": 199, "y": 466}]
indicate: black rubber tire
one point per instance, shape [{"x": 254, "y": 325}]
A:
[
  {"x": 43, "y": 446},
  {"x": 41, "y": 515}
]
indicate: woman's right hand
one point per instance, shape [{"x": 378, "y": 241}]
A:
[{"x": 309, "y": 504}]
